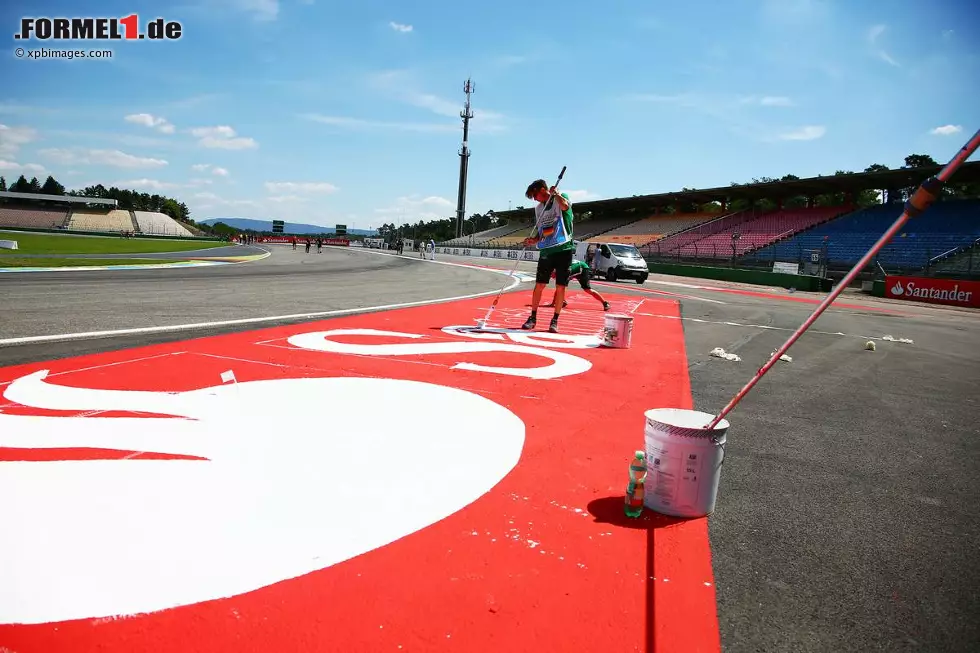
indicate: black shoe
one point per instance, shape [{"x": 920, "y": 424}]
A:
[
  {"x": 605, "y": 306},
  {"x": 564, "y": 304},
  {"x": 531, "y": 321},
  {"x": 554, "y": 324}
]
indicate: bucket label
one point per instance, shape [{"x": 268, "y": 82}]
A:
[
  {"x": 676, "y": 476},
  {"x": 663, "y": 466}
]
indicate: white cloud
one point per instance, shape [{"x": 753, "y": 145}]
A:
[
  {"x": 23, "y": 168},
  {"x": 281, "y": 199},
  {"x": 413, "y": 208},
  {"x": 113, "y": 158},
  {"x": 146, "y": 184},
  {"x": 399, "y": 27},
  {"x": 946, "y": 130},
  {"x": 948, "y": 34},
  {"x": 361, "y": 123},
  {"x": 400, "y": 85},
  {"x": 299, "y": 187},
  {"x": 148, "y": 120},
  {"x": 222, "y": 137},
  {"x": 873, "y": 35},
  {"x": 12, "y": 138},
  {"x": 776, "y": 101},
  {"x": 581, "y": 195},
  {"x": 205, "y": 167},
  {"x": 808, "y": 133},
  {"x": 261, "y": 10}
]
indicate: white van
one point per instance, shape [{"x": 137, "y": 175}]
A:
[{"x": 614, "y": 260}]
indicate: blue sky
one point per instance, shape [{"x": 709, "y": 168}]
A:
[{"x": 322, "y": 112}]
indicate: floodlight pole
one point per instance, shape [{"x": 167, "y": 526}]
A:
[{"x": 464, "y": 154}]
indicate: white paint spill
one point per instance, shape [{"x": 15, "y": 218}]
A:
[
  {"x": 893, "y": 339},
  {"x": 718, "y": 352},
  {"x": 270, "y": 503}
]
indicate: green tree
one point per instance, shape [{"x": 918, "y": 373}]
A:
[
  {"x": 35, "y": 185},
  {"x": 3, "y": 184},
  {"x": 21, "y": 185},
  {"x": 52, "y": 187},
  {"x": 919, "y": 161}
]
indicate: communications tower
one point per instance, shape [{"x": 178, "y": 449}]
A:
[{"x": 464, "y": 155}]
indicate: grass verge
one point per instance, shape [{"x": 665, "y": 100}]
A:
[
  {"x": 21, "y": 262},
  {"x": 30, "y": 243}
]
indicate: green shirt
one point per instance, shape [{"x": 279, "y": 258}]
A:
[
  {"x": 568, "y": 219},
  {"x": 577, "y": 267}
]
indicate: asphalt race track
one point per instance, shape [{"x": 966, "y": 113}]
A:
[
  {"x": 846, "y": 517},
  {"x": 286, "y": 283}
]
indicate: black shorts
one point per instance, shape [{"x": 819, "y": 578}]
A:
[
  {"x": 584, "y": 277},
  {"x": 559, "y": 263}
]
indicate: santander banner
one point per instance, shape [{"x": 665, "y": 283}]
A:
[{"x": 951, "y": 292}]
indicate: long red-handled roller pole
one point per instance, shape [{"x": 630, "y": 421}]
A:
[{"x": 919, "y": 202}]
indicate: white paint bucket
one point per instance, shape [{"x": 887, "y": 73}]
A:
[
  {"x": 683, "y": 461},
  {"x": 617, "y": 331}
]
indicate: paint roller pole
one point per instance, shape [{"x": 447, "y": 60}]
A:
[
  {"x": 482, "y": 323},
  {"x": 919, "y": 202}
]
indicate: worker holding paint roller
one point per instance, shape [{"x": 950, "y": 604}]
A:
[{"x": 553, "y": 239}]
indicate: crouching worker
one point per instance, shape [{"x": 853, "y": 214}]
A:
[{"x": 581, "y": 273}]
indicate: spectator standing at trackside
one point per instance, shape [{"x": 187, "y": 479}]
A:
[
  {"x": 319, "y": 245},
  {"x": 556, "y": 248},
  {"x": 308, "y": 243},
  {"x": 432, "y": 248}
]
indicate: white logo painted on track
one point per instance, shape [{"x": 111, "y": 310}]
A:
[
  {"x": 301, "y": 474},
  {"x": 562, "y": 364}
]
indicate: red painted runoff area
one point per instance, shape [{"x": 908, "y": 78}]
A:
[{"x": 378, "y": 482}]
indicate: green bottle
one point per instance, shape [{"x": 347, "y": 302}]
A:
[{"x": 636, "y": 487}]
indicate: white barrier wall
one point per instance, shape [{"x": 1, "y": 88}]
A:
[
  {"x": 505, "y": 254},
  {"x": 8, "y": 244}
]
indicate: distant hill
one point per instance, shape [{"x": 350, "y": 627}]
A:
[{"x": 291, "y": 227}]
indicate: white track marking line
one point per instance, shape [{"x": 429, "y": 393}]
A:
[
  {"x": 258, "y": 320},
  {"x": 240, "y": 360},
  {"x": 663, "y": 293},
  {"x": 757, "y": 326},
  {"x": 99, "y": 367}
]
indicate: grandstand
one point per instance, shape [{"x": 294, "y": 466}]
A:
[
  {"x": 114, "y": 220},
  {"x": 484, "y": 237},
  {"x": 948, "y": 227},
  {"x": 82, "y": 214},
  {"x": 158, "y": 224},
  {"x": 653, "y": 228},
  {"x": 746, "y": 231},
  {"x": 25, "y": 217},
  {"x": 944, "y": 239}
]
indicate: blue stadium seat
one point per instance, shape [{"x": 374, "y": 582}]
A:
[{"x": 944, "y": 226}]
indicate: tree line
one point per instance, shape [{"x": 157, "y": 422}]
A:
[{"x": 127, "y": 199}]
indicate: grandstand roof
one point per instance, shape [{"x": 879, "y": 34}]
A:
[
  {"x": 858, "y": 181},
  {"x": 70, "y": 199}
]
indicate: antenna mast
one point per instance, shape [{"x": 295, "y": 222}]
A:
[{"x": 464, "y": 154}]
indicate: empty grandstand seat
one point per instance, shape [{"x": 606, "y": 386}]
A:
[
  {"x": 88, "y": 220},
  {"x": 159, "y": 224},
  {"x": 754, "y": 232},
  {"x": 945, "y": 226},
  {"x": 655, "y": 227},
  {"x": 32, "y": 218}
]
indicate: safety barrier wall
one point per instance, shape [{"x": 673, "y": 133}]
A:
[
  {"x": 760, "y": 277},
  {"x": 505, "y": 254},
  {"x": 951, "y": 292}
]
